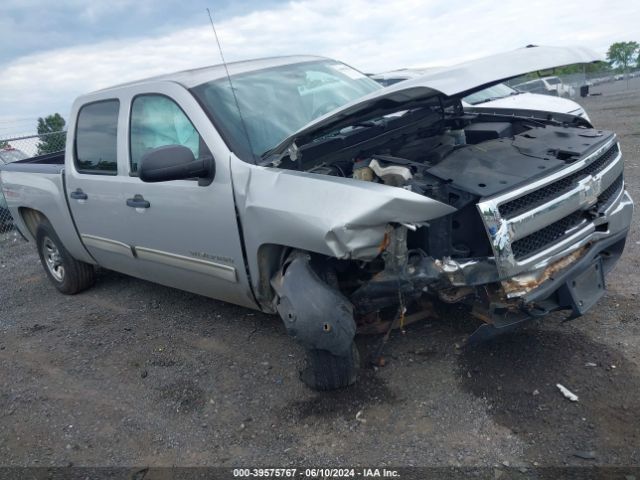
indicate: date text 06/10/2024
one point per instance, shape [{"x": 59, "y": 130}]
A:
[{"x": 315, "y": 473}]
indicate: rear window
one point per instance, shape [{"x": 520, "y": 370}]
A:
[{"x": 96, "y": 138}]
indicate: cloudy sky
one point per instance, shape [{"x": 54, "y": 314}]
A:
[{"x": 53, "y": 51}]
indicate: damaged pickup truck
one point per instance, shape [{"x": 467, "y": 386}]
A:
[{"x": 390, "y": 198}]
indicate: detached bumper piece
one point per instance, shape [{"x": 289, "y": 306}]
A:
[{"x": 315, "y": 314}]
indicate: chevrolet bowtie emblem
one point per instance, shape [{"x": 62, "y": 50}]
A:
[{"x": 591, "y": 191}]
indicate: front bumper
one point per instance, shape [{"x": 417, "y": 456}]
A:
[
  {"x": 575, "y": 287},
  {"x": 546, "y": 287},
  {"x": 554, "y": 295}
]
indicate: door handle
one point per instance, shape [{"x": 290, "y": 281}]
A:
[
  {"x": 78, "y": 194},
  {"x": 137, "y": 201}
]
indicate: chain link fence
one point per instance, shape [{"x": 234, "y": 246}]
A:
[
  {"x": 18, "y": 148},
  {"x": 576, "y": 85}
]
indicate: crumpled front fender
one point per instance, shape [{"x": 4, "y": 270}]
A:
[{"x": 333, "y": 216}]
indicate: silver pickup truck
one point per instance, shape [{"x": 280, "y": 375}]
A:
[{"x": 299, "y": 186}]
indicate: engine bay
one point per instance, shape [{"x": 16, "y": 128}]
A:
[
  {"x": 439, "y": 151},
  {"x": 482, "y": 157}
]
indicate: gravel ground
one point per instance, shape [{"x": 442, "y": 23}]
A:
[{"x": 132, "y": 373}]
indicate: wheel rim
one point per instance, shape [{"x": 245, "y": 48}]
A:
[{"x": 53, "y": 259}]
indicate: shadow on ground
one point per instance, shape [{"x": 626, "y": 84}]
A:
[
  {"x": 517, "y": 375},
  {"x": 369, "y": 390}
]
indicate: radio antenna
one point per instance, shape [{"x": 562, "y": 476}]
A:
[{"x": 233, "y": 91}]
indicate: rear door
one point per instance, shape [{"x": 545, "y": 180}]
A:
[
  {"x": 176, "y": 233},
  {"x": 94, "y": 185}
]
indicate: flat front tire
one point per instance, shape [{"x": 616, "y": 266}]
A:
[{"x": 69, "y": 275}]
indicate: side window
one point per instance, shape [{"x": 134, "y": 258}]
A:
[
  {"x": 96, "y": 133},
  {"x": 157, "y": 121}
]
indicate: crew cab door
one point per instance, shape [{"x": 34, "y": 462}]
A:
[{"x": 175, "y": 233}]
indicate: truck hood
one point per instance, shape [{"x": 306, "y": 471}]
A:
[{"x": 456, "y": 81}]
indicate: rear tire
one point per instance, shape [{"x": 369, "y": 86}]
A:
[
  {"x": 69, "y": 275},
  {"x": 325, "y": 371}
]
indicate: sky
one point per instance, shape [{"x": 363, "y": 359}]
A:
[{"x": 51, "y": 52}]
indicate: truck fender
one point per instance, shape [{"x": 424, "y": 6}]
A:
[{"x": 314, "y": 313}]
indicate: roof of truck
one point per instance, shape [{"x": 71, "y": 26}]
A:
[{"x": 197, "y": 76}]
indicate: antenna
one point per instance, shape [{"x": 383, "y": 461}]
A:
[{"x": 233, "y": 91}]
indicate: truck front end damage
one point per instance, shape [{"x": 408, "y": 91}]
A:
[
  {"x": 539, "y": 217},
  {"x": 563, "y": 271},
  {"x": 537, "y": 209}
]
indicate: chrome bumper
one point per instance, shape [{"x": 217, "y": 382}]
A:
[
  {"x": 617, "y": 220},
  {"x": 474, "y": 271}
]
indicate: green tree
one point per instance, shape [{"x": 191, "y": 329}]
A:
[
  {"x": 52, "y": 134},
  {"x": 4, "y": 144},
  {"x": 623, "y": 54},
  {"x": 596, "y": 67}
]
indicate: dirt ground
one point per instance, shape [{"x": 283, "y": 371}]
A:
[{"x": 132, "y": 373}]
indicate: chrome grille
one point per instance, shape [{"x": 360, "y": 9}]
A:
[
  {"x": 555, "y": 189},
  {"x": 537, "y": 241},
  {"x": 548, "y": 216},
  {"x": 606, "y": 196}
]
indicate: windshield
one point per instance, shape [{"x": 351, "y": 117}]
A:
[
  {"x": 553, "y": 80},
  {"x": 492, "y": 93},
  {"x": 276, "y": 102}
]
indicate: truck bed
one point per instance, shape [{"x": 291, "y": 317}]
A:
[
  {"x": 36, "y": 186},
  {"x": 47, "y": 163}
]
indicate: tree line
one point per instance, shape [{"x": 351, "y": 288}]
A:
[
  {"x": 53, "y": 138},
  {"x": 624, "y": 55},
  {"x": 51, "y": 133},
  {"x": 621, "y": 57}
]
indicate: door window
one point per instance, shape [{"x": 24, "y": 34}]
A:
[
  {"x": 96, "y": 135},
  {"x": 157, "y": 121}
]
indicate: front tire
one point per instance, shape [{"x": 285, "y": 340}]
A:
[
  {"x": 69, "y": 275},
  {"x": 325, "y": 371}
]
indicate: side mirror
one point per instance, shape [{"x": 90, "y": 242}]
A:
[{"x": 175, "y": 162}]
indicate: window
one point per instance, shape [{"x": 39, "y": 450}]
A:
[
  {"x": 157, "y": 121},
  {"x": 96, "y": 133}
]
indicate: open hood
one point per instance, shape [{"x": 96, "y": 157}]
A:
[
  {"x": 456, "y": 81},
  {"x": 468, "y": 77}
]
